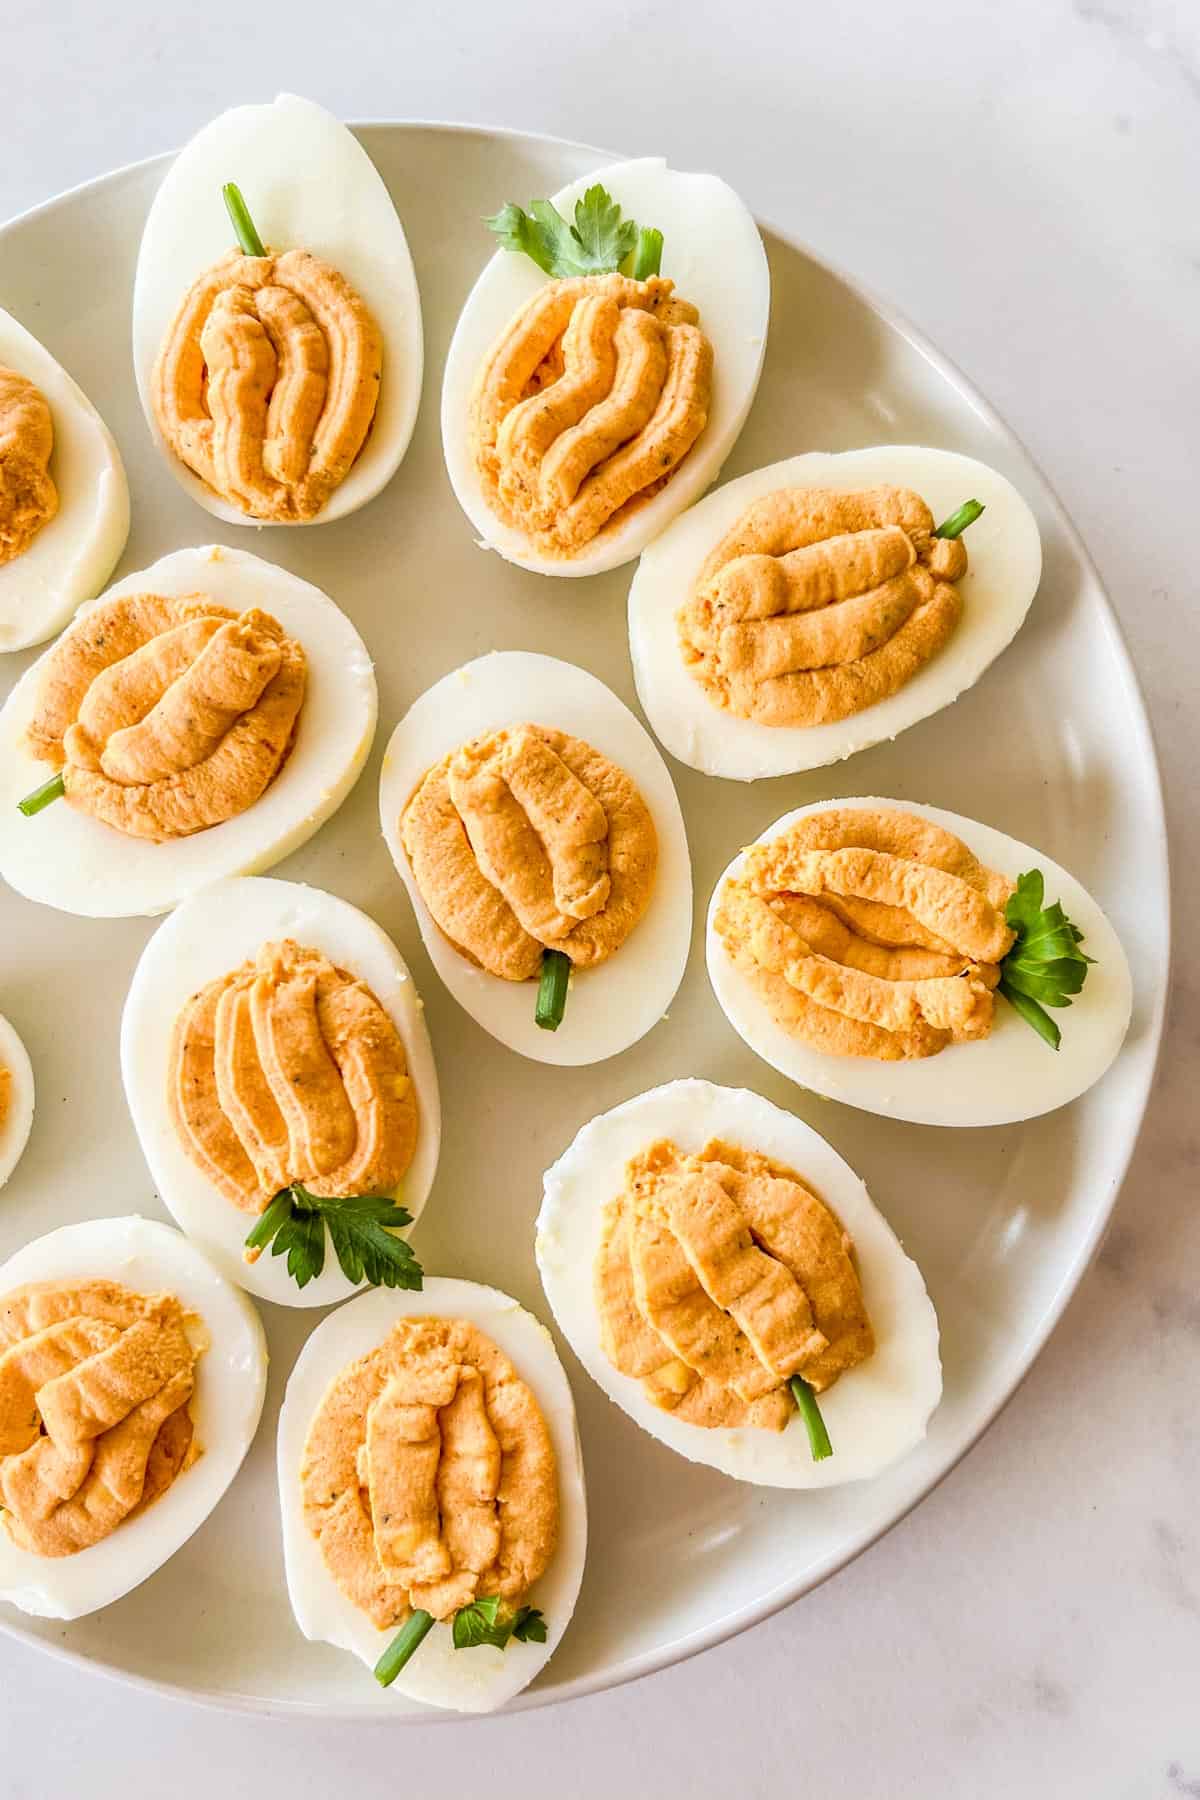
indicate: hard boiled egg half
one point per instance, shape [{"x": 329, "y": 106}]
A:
[
  {"x": 1008, "y": 1075},
  {"x": 309, "y": 186},
  {"x": 230, "y": 1376},
  {"x": 72, "y": 554},
  {"x": 875, "y": 1412},
  {"x": 1004, "y": 562},
  {"x": 74, "y": 861},
  {"x": 16, "y": 1099},
  {"x": 712, "y": 252},
  {"x": 205, "y": 939},
  {"x": 483, "y": 1677},
  {"x": 613, "y": 1004}
]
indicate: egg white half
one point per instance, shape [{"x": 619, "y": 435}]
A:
[
  {"x": 73, "y": 556},
  {"x": 480, "y": 1679},
  {"x": 69, "y": 860},
  {"x": 1009, "y": 1075},
  {"x": 231, "y": 1378},
  {"x": 309, "y": 185},
  {"x": 615, "y": 1004},
  {"x": 875, "y": 1413},
  {"x": 714, "y": 255},
  {"x": 205, "y": 938},
  {"x": 1005, "y": 564},
  {"x": 18, "y": 1120}
]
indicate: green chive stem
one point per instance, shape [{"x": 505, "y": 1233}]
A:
[
  {"x": 552, "y": 990},
  {"x": 958, "y": 521},
  {"x": 406, "y": 1642},
  {"x": 814, "y": 1424},
  {"x": 270, "y": 1221},
  {"x": 239, "y": 218},
  {"x": 647, "y": 257},
  {"x": 1032, "y": 1011},
  {"x": 54, "y": 789}
]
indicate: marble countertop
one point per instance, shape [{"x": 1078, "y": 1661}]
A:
[{"x": 1021, "y": 181}]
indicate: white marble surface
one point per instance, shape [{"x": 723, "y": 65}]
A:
[{"x": 1022, "y": 180}]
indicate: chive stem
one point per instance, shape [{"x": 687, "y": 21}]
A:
[
  {"x": 647, "y": 257},
  {"x": 406, "y": 1642},
  {"x": 958, "y": 521},
  {"x": 54, "y": 789},
  {"x": 239, "y": 218},
  {"x": 810, "y": 1412},
  {"x": 270, "y": 1221},
  {"x": 552, "y": 990}
]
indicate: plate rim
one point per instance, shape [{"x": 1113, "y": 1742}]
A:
[{"x": 730, "y": 1624}]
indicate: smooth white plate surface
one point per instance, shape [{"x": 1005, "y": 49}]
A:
[{"x": 1051, "y": 745}]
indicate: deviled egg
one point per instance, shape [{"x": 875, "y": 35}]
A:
[
  {"x": 537, "y": 831},
  {"x": 431, "y": 1485},
  {"x": 131, "y": 1383},
  {"x": 815, "y": 607},
  {"x": 901, "y": 959},
  {"x": 282, "y": 1083},
  {"x": 280, "y": 376},
  {"x": 16, "y": 1099},
  {"x": 64, "y": 499},
  {"x": 201, "y": 719},
  {"x": 725, "y": 1278},
  {"x": 604, "y": 364}
]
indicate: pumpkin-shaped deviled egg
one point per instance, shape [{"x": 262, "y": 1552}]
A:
[
  {"x": 201, "y": 719},
  {"x": 604, "y": 364},
  {"x": 431, "y": 1485},
  {"x": 280, "y": 1076},
  {"x": 537, "y": 831},
  {"x": 132, "y": 1378},
  {"x": 902, "y": 959},
  {"x": 281, "y": 373},
  {"x": 725, "y": 1278},
  {"x": 64, "y": 499},
  {"x": 818, "y": 606}
]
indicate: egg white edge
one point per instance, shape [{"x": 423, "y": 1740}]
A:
[
  {"x": 231, "y": 1374},
  {"x": 510, "y": 687},
  {"x": 382, "y": 272},
  {"x": 235, "y": 918},
  {"x": 18, "y": 1123},
  {"x": 1004, "y": 569},
  {"x": 487, "y": 1677},
  {"x": 1011, "y": 1074},
  {"x": 92, "y": 480},
  {"x": 508, "y": 280},
  {"x": 340, "y": 709},
  {"x": 901, "y": 1383}
]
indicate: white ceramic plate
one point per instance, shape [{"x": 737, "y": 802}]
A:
[{"x": 1051, "y": 746}]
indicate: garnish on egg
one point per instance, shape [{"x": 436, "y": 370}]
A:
[
  {"x": 359, "y": 1225},
  {"x": 598, "y": 241},
  {"x": 1045, "y": 966}
]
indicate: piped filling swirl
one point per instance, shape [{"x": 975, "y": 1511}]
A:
[
  {"x": 168, "y": 716},
  {"x": 816, "y": 604},
  {"x": 28, "y": 495},
  {"x": 287, "y": 1070},
  {"x": 267, "y": 383},
  {"x": 429, "y": 1478},
  {"x": 720, "y": 1276},
  {"x": 95, "y": 1385},
  {"x": 869, "y": 933},
  {"x": 587, "y": 404},
  {"x": 528, "y": 839}
]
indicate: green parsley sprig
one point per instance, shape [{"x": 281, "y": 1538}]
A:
[
  {"x": 1045, "y": 965},
  {"x": 598, "y": 242},
  {"x": 295, "y": 1222},
  {"x": 479, "y": 1623}
]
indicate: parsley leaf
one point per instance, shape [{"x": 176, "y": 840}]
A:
[
  {"x": 294, "y": 1225},
  {"x": 481, "y": 1623},
  {"x": 597, "y": 243},
  {"x": 1045, "y": 965}
]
